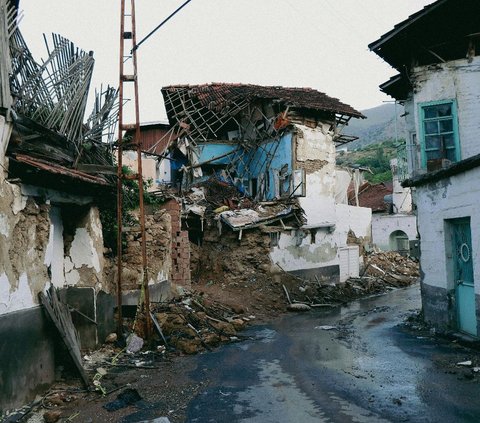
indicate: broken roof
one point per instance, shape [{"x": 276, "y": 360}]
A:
[
  {"x": 155, "y": 137},
  {"x": 440, "y": 31},
  {"x": 218, "y": 96},
  {"x": 372, "y": 196}
]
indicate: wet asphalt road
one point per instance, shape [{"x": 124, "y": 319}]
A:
[{"x": 368, "y": 369}]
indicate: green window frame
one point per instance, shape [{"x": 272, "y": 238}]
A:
[{"x": 439, "y": 131}]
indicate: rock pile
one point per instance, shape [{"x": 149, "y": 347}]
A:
[{"x": 195, "y": 324}]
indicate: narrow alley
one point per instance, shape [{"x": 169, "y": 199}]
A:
[
  {"x": 365, "y": 362},
  {"x": 221, "y": 213}
]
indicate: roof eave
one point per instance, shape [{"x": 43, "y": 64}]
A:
[{"x": 374, "y": 46}]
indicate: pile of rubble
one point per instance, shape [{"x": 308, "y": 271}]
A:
[
  {"x": 191, "y": 324},
  {"x": 195, "y": 323},
  {"x": 382, "y": 271},
  {"x": 392, "y": 268}
]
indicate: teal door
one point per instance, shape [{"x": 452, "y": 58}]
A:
[{"x": 463, "y": 270}]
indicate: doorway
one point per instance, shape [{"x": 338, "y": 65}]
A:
[{"x": 463, "y": 275}]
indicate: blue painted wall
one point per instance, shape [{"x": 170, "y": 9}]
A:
[
  {"x": 255, "y": 161},
  {"x": 211, "y": 150}
]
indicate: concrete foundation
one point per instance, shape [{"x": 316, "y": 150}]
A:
[{"x": 28, "y": 356}]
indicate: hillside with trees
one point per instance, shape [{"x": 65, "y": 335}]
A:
[
  {"x": 376, "y": 157},
  {"x": 377, "y": 127}
]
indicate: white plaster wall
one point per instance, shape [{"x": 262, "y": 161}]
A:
[
  {"x": 383, "y": 225},
  {"x": 317, "y": 144},
  {"x": 295, "y": 250},
  {"x": 55, "y": 249},
  {"x": 149, "y": 166},
  {"x": 14, "y": 300},
  {"x": 452, "y": 198},
  {"x": 457, "y": 80},
  {"x": 41, "y": 246},
  {"x": 86, "y": 252}
]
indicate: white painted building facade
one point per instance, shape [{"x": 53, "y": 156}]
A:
[
  {"x": 320, "y": 247},
  {"x": 47, "y": 237},
  {"x": 444, "y": 202},
  {"x": 394, "y": 231},
  {"x": 439, "y": 83}
]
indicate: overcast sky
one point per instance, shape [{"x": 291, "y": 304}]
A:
[{"x": 300, "y": 43}]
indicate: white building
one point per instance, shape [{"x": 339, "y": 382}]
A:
[
  {"x": 439, "y": 84},
  {"x": 396, "y": 228}
]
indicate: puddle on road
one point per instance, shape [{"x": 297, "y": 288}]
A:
[
  {"x": 358, "y": 414},
  {"x": 276, "y": 399}
]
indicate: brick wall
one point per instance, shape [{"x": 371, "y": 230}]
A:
[{"x": 180, "y": 271}]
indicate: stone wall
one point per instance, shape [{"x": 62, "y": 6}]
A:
[{"x": 158, "y": 233}]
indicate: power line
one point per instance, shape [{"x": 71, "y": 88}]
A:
[{"x": 136, "y": 46}]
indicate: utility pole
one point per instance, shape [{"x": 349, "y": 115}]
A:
[{"x": 128, "y": 36}]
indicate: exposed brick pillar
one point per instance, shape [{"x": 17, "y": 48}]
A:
[{"x": 180, "y": 274}]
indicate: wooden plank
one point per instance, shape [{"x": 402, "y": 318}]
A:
[
  {"x": 95, "y": 168},
  {"x": 158, "y": 327},
  {"x": 62, "y": 320}
]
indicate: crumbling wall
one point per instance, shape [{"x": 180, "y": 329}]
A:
[
  {"x": 83, "y": 260},
  {"x": 158, "y": 236},
  {"x": 307, "y": 252},
  {"x": 24, "y": 232},
  {"x": 315, "y": 154},
  {"x": 180, "y": 247},
  {"x": 225, "y": 258}
]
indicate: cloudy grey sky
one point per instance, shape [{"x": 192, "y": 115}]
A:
[{"x": 303, "y": 43}]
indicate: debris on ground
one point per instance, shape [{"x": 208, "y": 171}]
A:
[
  {"x": 382, "y": 271},
  {"x": 325, "y": 327},
  {"x": 195, "y": 323},
  {"x": 215, "y": 313},
  {"x": 127, "y": 397},
  {"x": 134, "y": 343}
]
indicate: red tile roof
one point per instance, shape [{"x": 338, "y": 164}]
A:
[
  {"x": 371, "y": 196},
  {"x": 218, "y": 96},
  {"x": 54, "y": 168}
]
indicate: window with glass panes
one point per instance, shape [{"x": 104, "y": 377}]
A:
[{"x": 439, "y": 131}]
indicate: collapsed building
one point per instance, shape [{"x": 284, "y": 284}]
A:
[
  {"x": 254, "y": 170},
  {"x": 51, "y": 150}
]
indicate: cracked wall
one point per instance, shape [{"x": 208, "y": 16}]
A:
[
  {"x": 316, "y": 248},
  {"x": 37, "y": 248},
  {"x": 24, "y": 229},
  {"x": 158, "y": 233}
]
